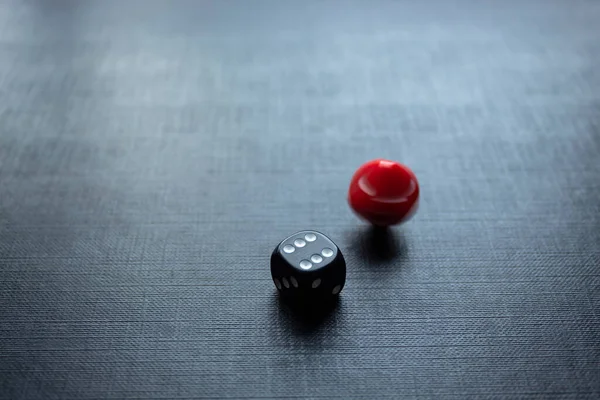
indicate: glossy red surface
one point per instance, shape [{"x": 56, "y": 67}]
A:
[{"x": 384, "y": 192}]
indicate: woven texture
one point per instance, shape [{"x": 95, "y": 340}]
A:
[{"x": 152, "y": 154}]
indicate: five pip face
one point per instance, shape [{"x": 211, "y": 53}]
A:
[{"x": 308, "y": 265}]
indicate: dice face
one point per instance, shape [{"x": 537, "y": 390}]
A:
[{"x": 308, "y": 264}]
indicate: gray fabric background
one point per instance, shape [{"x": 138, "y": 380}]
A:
[{"x": 148, "y": 150}]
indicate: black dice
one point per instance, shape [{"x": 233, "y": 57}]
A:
[{"x": 308, "y": 265}]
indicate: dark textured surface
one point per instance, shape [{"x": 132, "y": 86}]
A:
[{"x": 152, "y": 154}]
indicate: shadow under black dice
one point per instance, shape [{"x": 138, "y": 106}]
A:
[{"x": 308, "y": 265}]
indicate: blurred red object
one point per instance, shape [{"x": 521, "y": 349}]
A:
[{"x": 384, "y": 192}]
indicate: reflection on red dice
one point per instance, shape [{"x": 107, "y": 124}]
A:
[{"x": 384, "y": 192}]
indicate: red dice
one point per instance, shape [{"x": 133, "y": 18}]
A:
[{"x": 384, "y": 192}]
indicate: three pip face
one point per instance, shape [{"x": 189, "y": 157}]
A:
[{"x": 308, "y": 265}]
